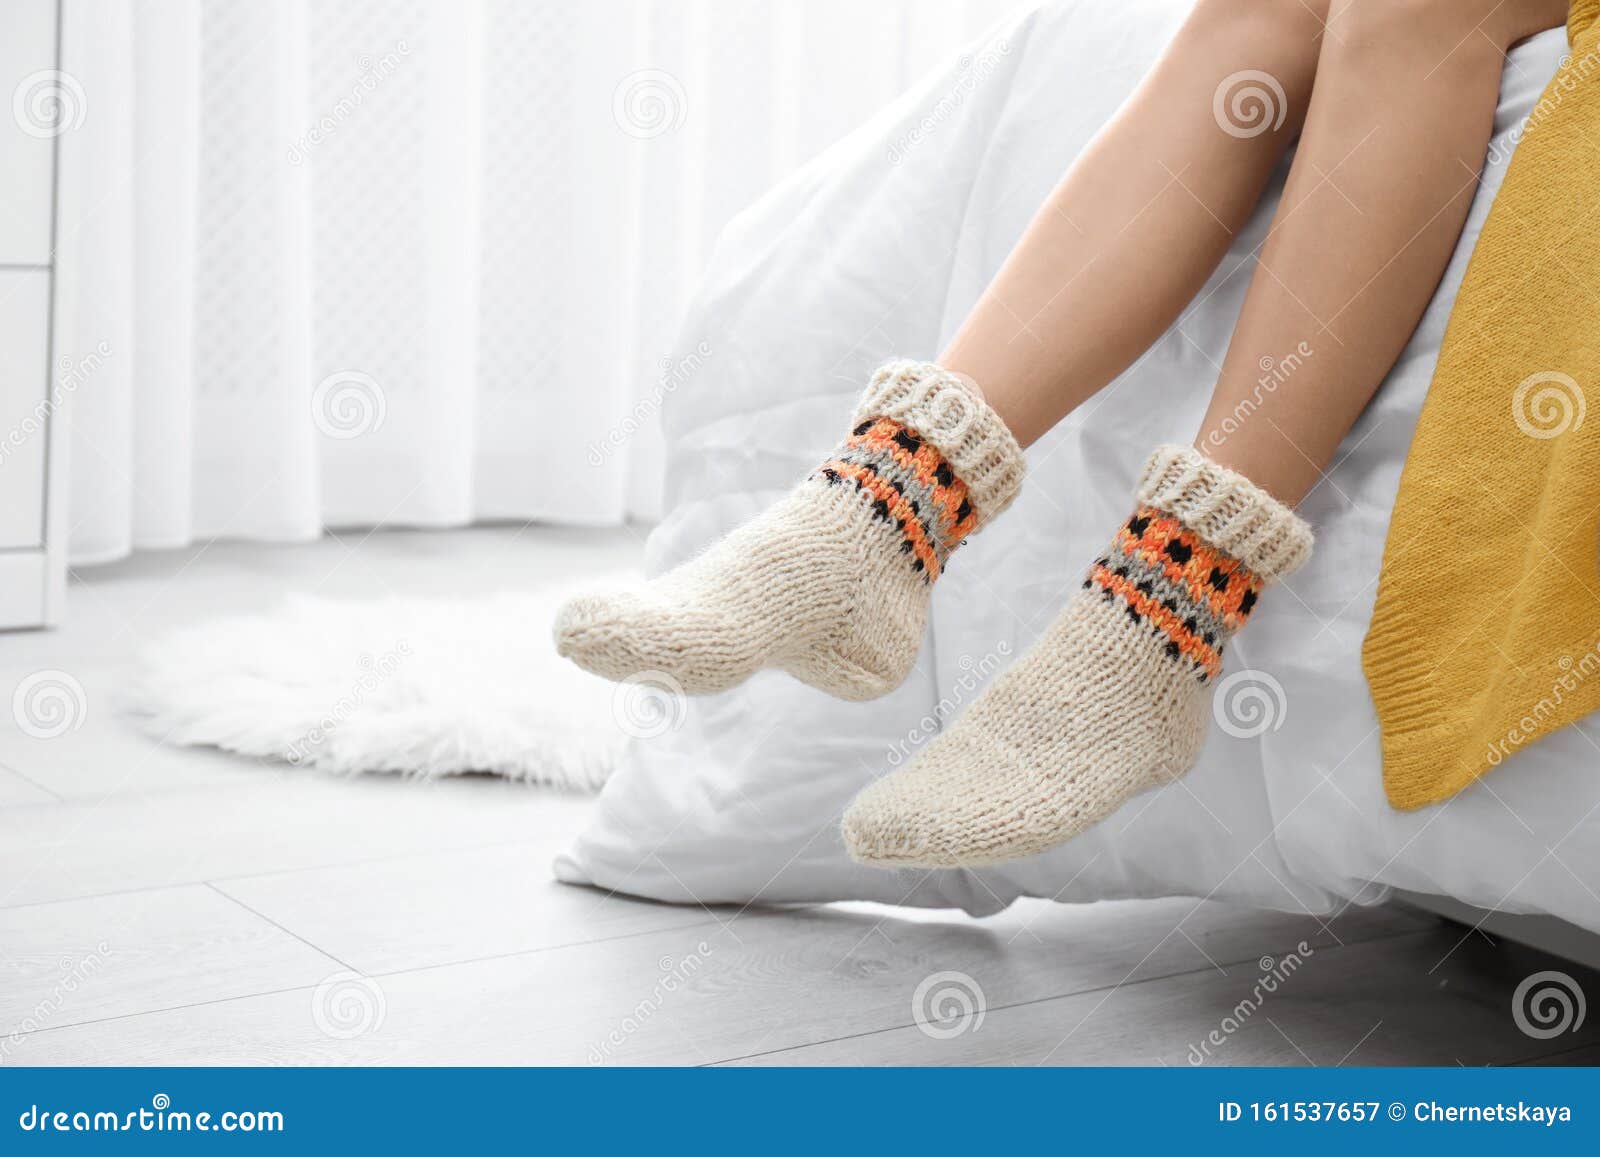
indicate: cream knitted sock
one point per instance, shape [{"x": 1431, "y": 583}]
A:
[
  {"x": 1112, "y": 700},
  {"x": 832, "y": 583}
]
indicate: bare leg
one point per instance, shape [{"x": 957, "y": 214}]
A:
[
  {"x": 1115, "y": 698},
  {"x": 1125, "y": 240},
  {"x": 1385, "y": 172},
  {"x": 1138, "y": 223}
]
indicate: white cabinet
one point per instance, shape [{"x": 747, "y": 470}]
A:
[
  {"x": 24, "y": 405},
  {"x": 34, "y": 98},
  {"x": 34, "y": 95}
]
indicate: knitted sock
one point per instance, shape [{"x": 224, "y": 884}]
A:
[
  {"x": 831, "y": 584},
  {"x": 1112, "y": 700}
]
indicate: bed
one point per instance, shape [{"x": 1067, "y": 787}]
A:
[{"x": 877, "y": 249}]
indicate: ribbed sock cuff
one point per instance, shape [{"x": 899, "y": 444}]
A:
[
  {"x": 1227, "y": 511},
  {"x": 945, "y": 410}
]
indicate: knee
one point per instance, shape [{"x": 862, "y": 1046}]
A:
[
  {"x": 1433, "y": 33},
  {"x": 1300, "y": 19}
]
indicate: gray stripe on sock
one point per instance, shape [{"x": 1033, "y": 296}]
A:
[
  {"x": 1162, "y": 589},
  {"x": 919, "y": 495}
]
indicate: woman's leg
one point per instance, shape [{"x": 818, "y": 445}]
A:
[
  {"x": 832, "y": 584},
  {"x": 1114, "y": 699},
  {"x": 1385, "y": 172},
  {"x": 1142, "y": 217}
]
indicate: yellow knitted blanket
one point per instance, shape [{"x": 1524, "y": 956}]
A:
[{"x": 1486, "y": 634}]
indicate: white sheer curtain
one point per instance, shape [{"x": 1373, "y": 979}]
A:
[{"x": 395, "y": 261}]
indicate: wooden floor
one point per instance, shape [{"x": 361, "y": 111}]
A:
[{"x": 159, "y": 905}]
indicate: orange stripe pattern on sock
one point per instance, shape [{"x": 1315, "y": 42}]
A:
[
  {"x": 1188, "y": 592},
  {"x": 909, "y": 485}
]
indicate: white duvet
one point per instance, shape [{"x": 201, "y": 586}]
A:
[{"x": 878, "y": 249}]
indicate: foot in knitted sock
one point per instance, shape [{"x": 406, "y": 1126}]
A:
[
  {"x": 1114, "y": 699},
  {"x": 831, "y": 584}
]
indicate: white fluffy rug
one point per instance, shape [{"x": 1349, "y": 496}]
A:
[{"x": 417, "y": 686}]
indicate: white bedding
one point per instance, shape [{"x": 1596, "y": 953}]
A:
[{"x": 878, "y": 249}]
